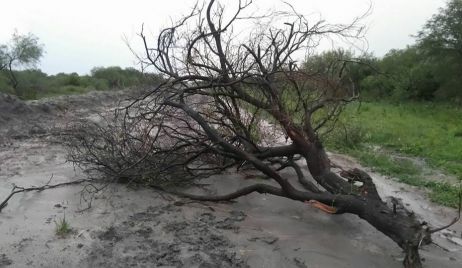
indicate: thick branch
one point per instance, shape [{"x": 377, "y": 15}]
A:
[
  {"x": 277, "y": 151},
  {"x": 259, "y": 188}
]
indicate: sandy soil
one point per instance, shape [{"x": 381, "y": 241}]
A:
[{"x": 127, "y": 227}]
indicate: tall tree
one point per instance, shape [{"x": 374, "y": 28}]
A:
[
  {"x": 442, "y": 34},
  {"x": 22, "y": 51},
  {"x": 441, "y": 41}
]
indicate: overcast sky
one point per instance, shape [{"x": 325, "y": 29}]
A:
[{"x": 81, "y": 34}]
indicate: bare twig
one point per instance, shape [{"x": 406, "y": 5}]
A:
[
  {"x": 456, "y": 219},
  {"x": 19, "y": 189}
]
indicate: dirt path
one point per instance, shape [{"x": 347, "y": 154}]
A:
[{"x": 127, "y": 227}]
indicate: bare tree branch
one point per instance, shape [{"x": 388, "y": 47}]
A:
[{"x": 19, "y": 189}]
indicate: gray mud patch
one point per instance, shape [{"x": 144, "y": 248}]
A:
[
  {"x": 4, "y": 261},
  {"x": 21, "y": 120},
  {"x": 161, "y": 236}
]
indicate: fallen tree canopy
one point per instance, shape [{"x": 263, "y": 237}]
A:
[{"x": 231, "y": 92}]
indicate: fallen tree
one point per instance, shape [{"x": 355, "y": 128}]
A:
[{"x": 230, "y": 93}]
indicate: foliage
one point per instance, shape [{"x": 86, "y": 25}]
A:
[
  {"x": 442, "y": 34},
  {"x": 5, "y": 83},
  {"x": 441, "y": 41},
  {"x": 20, "y": 56},
  {"x": 34, "y": 84},
  {"x": 344, "y": 64},
  {"x": 117, "y": 77},
  {"x": 114, "y": 77},
  {"x": 404, "y": 74},
  {"x": 428, "y": 70},
  {"x": 30, "y": 83},
  {"x": 23, "y": 51}
]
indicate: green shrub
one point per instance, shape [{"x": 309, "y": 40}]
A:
[
  {"x": 33, "y": 84},
  {"x": 348, "y": 134}
]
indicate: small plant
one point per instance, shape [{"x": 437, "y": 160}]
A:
[{"x": 62, "y": 227}]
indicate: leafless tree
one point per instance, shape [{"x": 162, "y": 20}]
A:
[{"x": 225, "y": 84}]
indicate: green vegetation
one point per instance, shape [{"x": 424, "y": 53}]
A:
[
  {"x": 19, "y": 76},
  {"x": 411, "y": 105},
  {"x": 407, "y": 172},
  {"x": 376, "y": 132},
  {"x": 63, "y": 227},
  {"x": 429, "y": 70},
  {"x": 22, "y": 51},
  {"x": 34, "y": 84},
  {"x": 428, "y": 130}
]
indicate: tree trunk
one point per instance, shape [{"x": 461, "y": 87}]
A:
[{"x": 401, "y": 226}]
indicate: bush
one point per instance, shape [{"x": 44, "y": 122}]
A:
[
  {"x": 347, "y": 135},
  {"x": 117, "y": 77},
  {"x": 5, "y": 86},
  {"x": 94, "y": 83},
  {"x": 33, "y": 84}
]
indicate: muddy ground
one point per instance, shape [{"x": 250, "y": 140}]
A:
[{"x": 128, "y": 227}]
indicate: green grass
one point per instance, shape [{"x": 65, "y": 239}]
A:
[
  {"x": 50, "y": 92},
  {"x": 63, "y": 227},
  {"x": 407, "y": 172},
  {"x": 428, "y": 130},
  {"x": 64, "y": 90}
]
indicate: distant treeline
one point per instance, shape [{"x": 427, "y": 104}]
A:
[
  {"x": 405, "y": 74},
  {"x": 431, "y": 69},
  {"x": 34, "y": 84}
]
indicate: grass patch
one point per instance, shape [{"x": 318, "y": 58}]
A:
[
  {"x": 386, "y": 165},
  {"x": 405, "y": 171},
  {"x": 444, "y": 193},
  {"x": 64, "y": 90},
  {"x": 427, "y": 130},
  {"x": 63, "y": 227}
]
